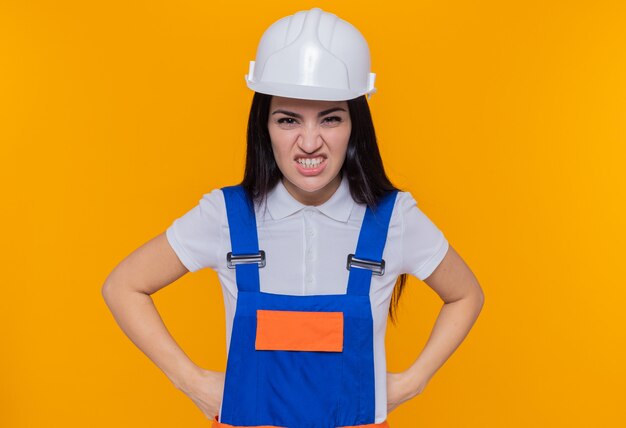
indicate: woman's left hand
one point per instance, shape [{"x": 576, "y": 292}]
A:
[{"x": 398, "y": 390}]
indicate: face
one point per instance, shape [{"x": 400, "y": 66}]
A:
[{"x": 309, "y": 140}]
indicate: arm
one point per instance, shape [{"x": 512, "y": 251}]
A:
[
  {"x": 127, "y": 291},
  {"x": 463, "y": 300}
]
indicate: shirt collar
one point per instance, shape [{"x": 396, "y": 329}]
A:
[{"x": 281, "y": 204}]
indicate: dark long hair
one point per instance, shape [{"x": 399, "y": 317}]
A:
[{"x": 363, "y": 165}]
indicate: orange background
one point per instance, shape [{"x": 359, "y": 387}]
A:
[{"x": 506, "y": 120}]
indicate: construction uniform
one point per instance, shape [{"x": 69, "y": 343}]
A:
[{"x": 313, "y": 355}]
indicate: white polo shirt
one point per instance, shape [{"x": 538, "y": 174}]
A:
[{"x": 306, "y": 249}]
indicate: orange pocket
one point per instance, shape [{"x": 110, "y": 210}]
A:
[{"x": 299, "y": 331}]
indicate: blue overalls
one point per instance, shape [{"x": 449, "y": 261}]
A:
[{"x": 284, "y": 368}]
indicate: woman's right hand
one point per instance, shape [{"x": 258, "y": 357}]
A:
[{"x": 206, "y": 389}]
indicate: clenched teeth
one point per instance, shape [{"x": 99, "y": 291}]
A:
[{"x": 310, "y": 163}]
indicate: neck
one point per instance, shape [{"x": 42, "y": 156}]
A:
[{"x": 315, "y": 198}]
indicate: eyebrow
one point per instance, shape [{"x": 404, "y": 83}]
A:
[{"x": 299, "y": 116}]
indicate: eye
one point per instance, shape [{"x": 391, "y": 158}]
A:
[
  {"x": 286, "y": 122},
  {"x": 332, "y": 120}
]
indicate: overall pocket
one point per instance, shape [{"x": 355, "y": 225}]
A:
[
  {"x": 299, "y": 366},
  {"x": 299, "y": 331}
]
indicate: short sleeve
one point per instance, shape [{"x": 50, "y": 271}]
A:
[
  {"x": 195, "y": 237},
  {"x": 423, "y": 244}
]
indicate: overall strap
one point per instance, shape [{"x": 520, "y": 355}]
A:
[
  {"x": 370, "y": 245},
  {"x": 243, "y": 237}
]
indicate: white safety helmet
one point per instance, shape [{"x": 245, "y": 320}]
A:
[{"x": 312, "y": 55}]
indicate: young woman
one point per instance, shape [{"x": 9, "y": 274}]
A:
[{"x": 312, "y": 250}]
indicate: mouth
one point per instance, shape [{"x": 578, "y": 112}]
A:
[
  {"x": 310, "y": 166},
  {"x": 310, "y": 162}
]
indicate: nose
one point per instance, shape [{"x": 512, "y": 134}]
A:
[{"x": 310, "y": 139}]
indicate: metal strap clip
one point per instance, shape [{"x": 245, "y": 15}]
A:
[
  {"x": 238, "y": 259},
  {"x": 377, "y": 268}
]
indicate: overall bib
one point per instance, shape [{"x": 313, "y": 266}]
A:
[{"x": 301, "y": 361}]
